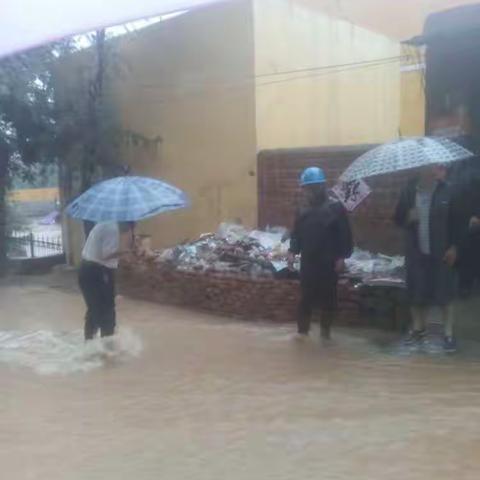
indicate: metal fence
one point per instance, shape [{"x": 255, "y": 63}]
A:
[{"x": 31, "y": 245}]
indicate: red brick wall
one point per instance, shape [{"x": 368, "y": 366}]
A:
[
  {"x": 279, "y": 193},
  {"x": 233, "y": 295}
]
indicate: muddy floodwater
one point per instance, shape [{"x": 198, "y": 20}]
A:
[{"x": 181, "y": 396}]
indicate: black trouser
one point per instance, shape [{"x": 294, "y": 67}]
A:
[
  {"x": 98, "y": 288},
  {"x": 318, "y": 291},
  {"x": 305, "y": 315}
]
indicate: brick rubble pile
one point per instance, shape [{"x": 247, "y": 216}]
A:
[{"x": 244, "y": 274}]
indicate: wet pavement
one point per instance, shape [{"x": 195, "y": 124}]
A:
[{"x": 181, "y": 395}]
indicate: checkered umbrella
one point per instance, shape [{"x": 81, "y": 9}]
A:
[
  {"x": 127, "y": 199},
  {"x": 404, "y": 155}
]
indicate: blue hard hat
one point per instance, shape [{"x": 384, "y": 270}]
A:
[{"x": 312, "y": 176}]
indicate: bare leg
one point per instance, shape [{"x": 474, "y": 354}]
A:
[
  {"x": 448, "y": 317},
  {"x": 419, "y": 317},
  {"x": 419, "y": 325}
]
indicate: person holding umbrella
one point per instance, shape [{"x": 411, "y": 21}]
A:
[
  {"x": 323, "y": 238},
  {"x": 426, "y": 212},
  {"x": 429, "y": 213},
  {"x": 114, "y": 206},
  {"x": 100, "y": 258}
]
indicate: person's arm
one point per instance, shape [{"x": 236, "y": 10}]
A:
[
  {"x": 344, "y": 238},
  {"x": 295, "y": 238},
  {"x": 344, "y": 242},
  {"x": 295, "y": 242},
  {"x": 457, "y": 227},
  {"x": 117, "y": 254},
  {"x": 474, "y": 197}
]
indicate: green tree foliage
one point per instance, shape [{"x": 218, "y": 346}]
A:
[
  {"x": 78, "y": 133},
  {"x": 70, "y": 124},
  {"x": 28, "y": 134}
]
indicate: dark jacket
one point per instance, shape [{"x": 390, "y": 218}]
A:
[
  {"x": 322, "y": 234},
  {"x": 468, "y": 201},
  {"x": 445, "y": 225}
]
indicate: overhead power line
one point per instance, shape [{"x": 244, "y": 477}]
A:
[
  {"x": 332, "y": 67},
  {"x": 334, "y": 70}
]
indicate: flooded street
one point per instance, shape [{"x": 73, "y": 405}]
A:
[{"x": 192, "y": 396}]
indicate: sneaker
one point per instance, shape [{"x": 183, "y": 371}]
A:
[
  {"x": 415, "y": 336},
  {"x": 450, "y": 344}
]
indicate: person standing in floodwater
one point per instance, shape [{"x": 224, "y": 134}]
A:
[
  {"x": 323, "y": 238},
  {"x": 100, "y": 259},
  {"x": 426, "y": 211}
]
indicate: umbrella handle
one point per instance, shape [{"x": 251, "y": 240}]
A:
[{"x": 132, "y": 233}]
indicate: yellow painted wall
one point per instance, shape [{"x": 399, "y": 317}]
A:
[
  {"x": 344, "y": 106},
  {"x": 189, "y": 81},
  {"x": 198, "y": 81},
  {"x": 412, "y": 99},
  {"x": 412, "y": 104},
  {"x": 34, "y": 195}
]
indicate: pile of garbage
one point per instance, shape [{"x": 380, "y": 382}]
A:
[
  {"x": 234, "y": 249},
  {"x": 376, "y": 269}
]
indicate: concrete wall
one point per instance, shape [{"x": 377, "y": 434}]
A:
[
  {"x": 343, "y": 106},
  {"x": 189, "y": 82}
]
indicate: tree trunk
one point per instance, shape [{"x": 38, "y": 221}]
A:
[{"x": 4, "y": 157}]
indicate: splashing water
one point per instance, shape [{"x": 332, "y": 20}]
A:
[{"x": 50, "y": 352}]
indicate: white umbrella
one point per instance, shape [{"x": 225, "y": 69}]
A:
[
  {"x": 30, "y": 23},
  {"x": 404, "y": 155}
]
